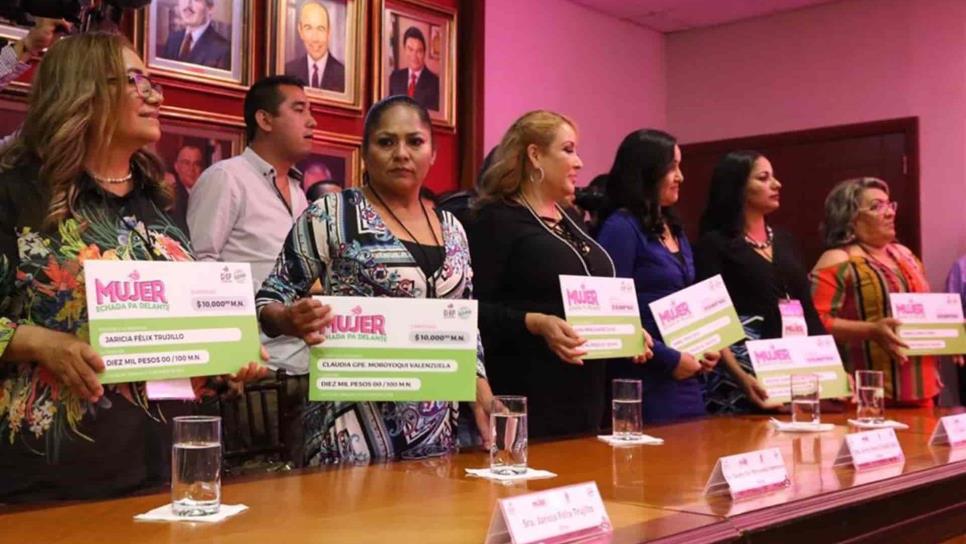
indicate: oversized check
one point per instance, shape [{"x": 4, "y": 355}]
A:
[
  {"x": 604, "y": 312},
  {"x": 159, "y": 320},
  {"x": 932, "y": 323},
  {"x": 776, "y": 360},
  {"x": 396, "y": 349},
  {"x": 698, "y": 319}
]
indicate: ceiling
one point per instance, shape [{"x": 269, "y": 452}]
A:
[{"x": 677, "y": 15}]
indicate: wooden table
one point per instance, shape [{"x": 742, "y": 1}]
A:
[{"x": 651, "y": 493}]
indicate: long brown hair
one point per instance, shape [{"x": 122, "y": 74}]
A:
[
  {"x": 70, "y": 114},
  {"x": 511, "y": 166}
]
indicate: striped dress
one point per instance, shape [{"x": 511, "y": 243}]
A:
[
  {"x": 858, "y": 289},
  {"x": 342, "y": 240}
]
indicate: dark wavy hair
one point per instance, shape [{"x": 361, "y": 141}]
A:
[
  {"x": 634, "y": 182},
  {"x": 725, "y": 210}
]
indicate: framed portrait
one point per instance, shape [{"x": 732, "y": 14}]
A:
[
  {"x": 416, "y": 56},
  {"x": 190, "y": 143},
  {"x": 12, "y": 114},
  {"x": 322, "y": 42},
  {"x": 201, "y": 40},
  {"x": 335, "y": 164}
]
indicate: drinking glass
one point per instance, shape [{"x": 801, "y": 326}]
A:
[
  {"x": 870, "y": 389},
  {"x": 626, "y": 409},
  {"x": 196, "y": 465},
  {"x": 508, "y": 423},
  {"x": 805, "y": 398}
]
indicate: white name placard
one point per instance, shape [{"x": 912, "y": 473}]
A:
[
  {"x": 563, "y": 514},
  {"x": 870, "y": 449},
  {"x": 950, "y": 430},
  {"x": 748, "y": 474}
]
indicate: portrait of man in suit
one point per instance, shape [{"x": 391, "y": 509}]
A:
[
  {"x": 415, "y": 80},
  {"x": 197, "y": 42},
  {"x": 188, "y": 165},
  {"x": 318, "y": 68}
]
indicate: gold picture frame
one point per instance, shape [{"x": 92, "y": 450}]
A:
[
  {"x": 342, "y": 82},
  {"x": 335, "y": 158},
  {"x": 220, "y": 55},
  {"x": 392, "y": 60}
]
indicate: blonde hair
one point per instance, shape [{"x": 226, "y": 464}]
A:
[
  {"x": 70, "y": 114},
  {"x": 511, "y": 166}
]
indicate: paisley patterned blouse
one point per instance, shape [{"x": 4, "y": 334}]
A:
[
  {"x": 54, "y": 444},
  {"x": 343, "y": 241}
]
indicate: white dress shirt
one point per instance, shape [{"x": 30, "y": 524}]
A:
[{"x": 236, "y": 214}]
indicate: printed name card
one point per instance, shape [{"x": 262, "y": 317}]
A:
[
  {"x": 870, "y": 449},
  {"x": 160, "y": 320},
  {"x": 776, "y": 360},
  {"x": 699, "y": 318},
  {"x": 563, "y": 514},
  {"x": 396, "y": 349},
  {"x": 604, "y": 311},
  {"x": 748, "y": 474},
  {"x": 950, "y": 430},
  {"x": 932, "y": 323}
]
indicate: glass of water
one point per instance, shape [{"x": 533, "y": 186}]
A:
[
  {"x": 196, "y": 465},
  {"x": 626, "y": 409},
  {"x": 508, "y": 423},
  {"x": 805, "y": 398},
  {"x": 870, "y": 385}
]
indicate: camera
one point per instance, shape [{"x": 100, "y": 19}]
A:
[{"x": 85, "y": 14}]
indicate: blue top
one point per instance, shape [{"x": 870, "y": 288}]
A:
[{"x": 656, "y": 273}]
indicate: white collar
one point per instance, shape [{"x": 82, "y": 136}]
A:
[
  {"x": 321, "y": 63},
  {"x": 196, "y": 33}
]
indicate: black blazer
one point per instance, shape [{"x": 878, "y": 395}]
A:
[
  {"x": 516, "y": 264},
  {"x": 333, "y": 77},
  {"x": 211, "y": 49},
  {"x": 427, "y": 87}
]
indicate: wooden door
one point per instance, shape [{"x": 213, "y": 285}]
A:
[{"x": 809, "y": 163}]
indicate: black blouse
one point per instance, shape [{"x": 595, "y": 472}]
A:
[
  {"x": 516, "y": 264},
  {"x": 756, "y": 285}
]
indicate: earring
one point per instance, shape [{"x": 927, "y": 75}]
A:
[{"x": 540, "y": 179}]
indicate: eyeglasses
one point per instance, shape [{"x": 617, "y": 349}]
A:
[
  {"x": 144, "y": 85},
  {"x": 879, "y": 207}
]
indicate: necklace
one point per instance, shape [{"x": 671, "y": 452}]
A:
[
  {"x": 430, "y": 278},
  {"x": 770, "y": 238},
  {"x": 112, "y": 181}
]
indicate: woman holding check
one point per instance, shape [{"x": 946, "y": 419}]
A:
[
  {"x": 78, "y": 183},
  {"x": 647, "y": 243},
  {"x": 383, "y": 240},
  {"x": 851, "y": 283},
  {"x": 522, "y": 241}
]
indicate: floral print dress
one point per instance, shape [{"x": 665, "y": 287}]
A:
[
  {"x": 54, "y": 444},
  {"x": 343, "y": 241}
]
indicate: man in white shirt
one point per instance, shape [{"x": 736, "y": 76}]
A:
[
  {"x": 242, "y": 208},
  {"x": 318, "y": 68}
]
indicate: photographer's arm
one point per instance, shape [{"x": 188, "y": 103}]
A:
[{"x": 15, "y": 56}]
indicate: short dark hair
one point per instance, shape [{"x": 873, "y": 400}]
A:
[
  {"x": 634, "y": 182},
  {"x": 374, "y": 117},
  {"x": 264, "y": 95},
  {"x": 416, "y": 34},
  {"x": 725, "y": 210}
]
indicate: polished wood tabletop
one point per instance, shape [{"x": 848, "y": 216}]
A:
[{"x": 651, "y": 492}]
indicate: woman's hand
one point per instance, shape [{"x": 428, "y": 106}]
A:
[
  {"x": 883, "y": 332},
  {"x": 559, "y": 335},
  {"x": 709, "y": 361},
  {"x": 481, "y": 411},
  {"x": 305, "y": 319},
  {"x": 757, "y": 394},
  {"x": 687, "y": 366},
  {"x": 252, "y": 372},
  {"x": 71, "y": 360},
  {"x": 648, "y": 350}
]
